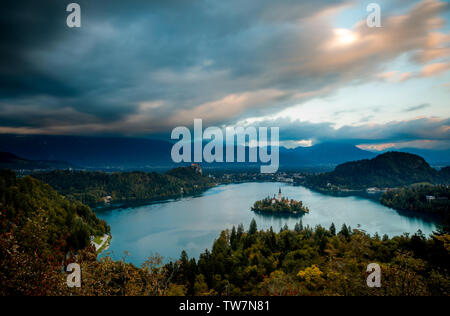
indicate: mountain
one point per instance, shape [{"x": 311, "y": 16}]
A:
[
  {"x": 94, "y": 152},
  {"x": 141, "y": 153},
  {"x": 128, "y": 153},
  {"x": 323, "y": 154},
  {"x": 13, "y": 162},
  {"x": 391, "y": 169}
]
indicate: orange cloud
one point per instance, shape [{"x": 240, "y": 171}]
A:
[
  {"x": 347, "y": 50},
  {"x": 434, "y": 69},
  {"x": 229, "y": 106}
]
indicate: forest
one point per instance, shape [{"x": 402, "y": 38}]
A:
[
  {"x": 414, "y": 198},
  {"x": 316, "y": 261},
  {"x": 90, "y": 187}
]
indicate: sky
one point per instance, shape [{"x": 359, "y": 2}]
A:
[{"x": 315, "y": 69}]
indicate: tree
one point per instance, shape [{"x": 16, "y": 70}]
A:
[
  {"x": 333, "y": 229},
  {"x": 253, "y": 229},
  {"x": 345, "y": 231},
  {"x": 233, "y": 238}
]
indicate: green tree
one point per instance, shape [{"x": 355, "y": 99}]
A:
[{"x": 253, "y": 229}]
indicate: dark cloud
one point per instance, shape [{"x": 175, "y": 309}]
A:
[
  {"x": 183, "y": 52},
  {"x": 144, "y": 66}
]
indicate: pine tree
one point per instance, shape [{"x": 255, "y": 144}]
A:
[
  {"x": 253, "y": 227},
  {"x": 333, "y": 229},
  {"x": 345, "y": 231},
  {"x": 240, "y": 231},
  {"x": 233, "y": 238}
]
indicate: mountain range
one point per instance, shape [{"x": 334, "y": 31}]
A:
[
  {"x": 11, "y": 161},
  {"x": 142, "y": 153}
]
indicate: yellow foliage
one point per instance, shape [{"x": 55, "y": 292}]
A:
[{"x": 311, "y": 274}]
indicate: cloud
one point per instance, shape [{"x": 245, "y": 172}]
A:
[
  {"x": 423, "y": 144},
  {"x": 430, "y": 70},
  {"x": 417, "y": 107},
  {"x": 143, "y": 67},
  {"x": 395, "y": 76},
  {"x": 434, "y": 69},
  {"x": 419, "y": 129}
]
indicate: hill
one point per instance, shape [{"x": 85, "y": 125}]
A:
[
  {"x": 13, "y": 162},
  {"x": 92, "y": 187},
  {"x": 69, "y": 224},
  {"x": 392, "y": 169}
]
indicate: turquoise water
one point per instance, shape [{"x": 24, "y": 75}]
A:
[{"x": 193, "y": 223}]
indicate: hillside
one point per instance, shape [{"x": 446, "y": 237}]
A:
[
  {"x": 69, "y": 224},
  {"x": 392, "y": 169},
  {"x": 13, "y": 162},
  {"x": 92, "y": 187},
  {"x": 41, "y": 232}
]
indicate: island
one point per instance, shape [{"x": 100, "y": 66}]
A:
[{"x": 280, "y": 206}]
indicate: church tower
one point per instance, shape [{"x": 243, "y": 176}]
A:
[{"x": 279, "y": 194}]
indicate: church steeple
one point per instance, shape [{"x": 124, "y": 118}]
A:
[{"x": 279, "y": 194}]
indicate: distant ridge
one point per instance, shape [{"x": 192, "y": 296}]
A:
[
  {"x": 323, "y": 154},
  {"x": 13, "y": 162},
  {"x": 95, "y": 152},
  {"x": 143, "y": 153},
  {"x": 124, "y": 152}
]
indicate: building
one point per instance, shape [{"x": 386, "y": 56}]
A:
[
  {"x": 274, "y": 200},
  {"x": 107, "y": 199},
  {"x": 197, "y": 168}
]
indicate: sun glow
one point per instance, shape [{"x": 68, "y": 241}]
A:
[{"x": 342, "y": 38}]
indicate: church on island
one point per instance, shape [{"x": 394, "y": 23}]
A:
[
  {"x": 274, "y": 200},
  {"x": 280, "y": 205}
]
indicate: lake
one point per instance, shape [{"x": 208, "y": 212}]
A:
[{"x": 193, "y": 223}]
